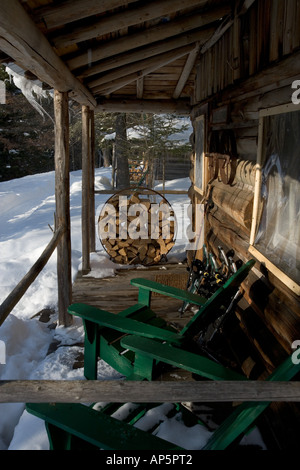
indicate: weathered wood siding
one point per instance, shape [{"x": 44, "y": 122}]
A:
[
  {"x": 251, "y": 67},
  {"x": 266, "y": 33}
]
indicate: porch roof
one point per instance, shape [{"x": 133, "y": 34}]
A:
[{"x": 112, "y": 55}]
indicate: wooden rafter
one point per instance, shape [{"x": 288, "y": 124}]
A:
[
  {"x": 124, "y": 19},
  {"x": 73, "y": 10},
  {"x": 153, "y": 63},
  {"x": 186, "y": 71},
  {"x": 24, "y": 42},
  {"x": 148, "y": 51},
  {"x": 181, "y": 106},
  {"x": 151, "y": 35},
  {"x": 113, "y": 85}
]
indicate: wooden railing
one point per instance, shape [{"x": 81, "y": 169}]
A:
[
  {"x": 120, "y": 391},
  {"x": 161, "y": 191},
  {"x": 13, "y": 298}
]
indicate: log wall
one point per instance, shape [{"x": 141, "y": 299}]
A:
[{"x": 251, "y": 67}]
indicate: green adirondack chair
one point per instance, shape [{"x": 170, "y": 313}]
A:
[
  {"x": 104, "y": 330},
  {"x": 76, "y": 426}
]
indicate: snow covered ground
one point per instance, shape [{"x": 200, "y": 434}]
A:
[{"x": 26, "y": 210}]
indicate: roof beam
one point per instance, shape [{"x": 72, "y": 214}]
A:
[
  {"x": 180, "y": 107},
  {"x": 148, "y": 51},
  {"x": 23, "y": 41},
  {"x": 124, "y": 19},
  {"x": 186, "y": 71},
  {"x": 72, "y": 10},
  {"x": 146, "y": 37}
]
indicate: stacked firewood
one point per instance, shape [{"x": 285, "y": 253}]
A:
[{"x": 135, "y": 228}]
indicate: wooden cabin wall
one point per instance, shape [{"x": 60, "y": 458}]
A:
[
  {"x": 266, "y": 33},
  {"x": 251, "y": 67}
]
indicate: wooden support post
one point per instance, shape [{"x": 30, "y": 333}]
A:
[
  {"x": 86, "y": 171},
  {"x": 92, "y": 185},
  {"x": 62, "y": 197}
]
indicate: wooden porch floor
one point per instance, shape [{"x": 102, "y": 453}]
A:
[{"x": 116, "y": 293}]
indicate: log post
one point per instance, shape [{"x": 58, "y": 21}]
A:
[
  {"x": 86, "y": 171},
  {"x": 62, "y": 198},
  {"x": 92, "y": 184}
]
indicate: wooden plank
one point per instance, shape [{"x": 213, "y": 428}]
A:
[
  {"x": 153, "y": 34},
  {"x": 124, "y": 19},
  {"x": 289, "y": 16},
  {"x": 13, "y": 298},
  {"x": 253, "y": 41},
  {"x": 163, "y": 191},
  {"x": 181, "y": 107},
  {"x": 296, "y": 29},
  {"x": 120, "y": 391},
  {"x": 62, "y": 199},
  {"x": 274, "y": 16},
  {"x": 73, "y": 10},
  {"x": 21, "y": 40}
]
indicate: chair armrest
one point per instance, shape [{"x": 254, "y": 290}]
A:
[
  {"x": 122, "y": 324},
  {"x": 169, "y": 291},
  {"x": 180, "y": 358}
]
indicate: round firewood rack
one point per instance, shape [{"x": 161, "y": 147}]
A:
[{"x": 137, "y": 226}]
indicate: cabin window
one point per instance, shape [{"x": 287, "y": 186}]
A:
[
  {"x": 199, "y": 173},
  {"x": 275, "y": 233}
]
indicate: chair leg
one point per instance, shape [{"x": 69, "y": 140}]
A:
[
  {"x": 58, "y": 439},
  {"x": 143, "y": 367},
  {"x": 91, "y": 348}
]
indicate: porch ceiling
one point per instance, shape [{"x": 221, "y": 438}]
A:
[{"x": 112, "y": 53}]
